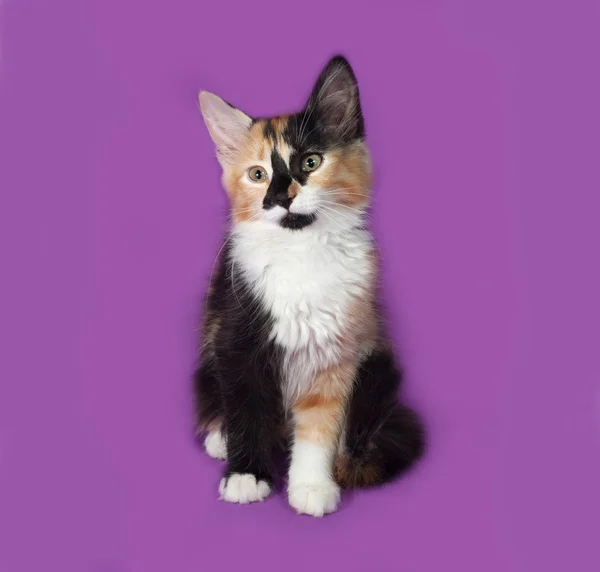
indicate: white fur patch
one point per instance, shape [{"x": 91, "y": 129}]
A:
[
  {"x": 307, "y": 280},
  {"x": 243, "y": 489},
  {"x": 215, "y": 445},
  {"x": 311, "y": 489}
]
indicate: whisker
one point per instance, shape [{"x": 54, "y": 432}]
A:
[
  {"x": 330, "y": 206},
  {"x": 326, "y": 210},
  {"x": 360, "y": 211}
]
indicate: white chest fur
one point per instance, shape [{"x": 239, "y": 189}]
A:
[{"x": 308, "y": 281}]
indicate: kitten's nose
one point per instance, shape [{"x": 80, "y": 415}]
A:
[
  {"x": 277, "y": 193},
  {"x": 279, "y": 199}
]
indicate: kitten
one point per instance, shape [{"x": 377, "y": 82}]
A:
[{"x": 293, "y": 340}]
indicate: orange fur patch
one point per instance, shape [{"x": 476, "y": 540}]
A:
[
  {"x": 319, "y": 414},
  {"x": 244, "y": 195},
  {"x": 346, "y": 176},
  {"x": 317, "y": 400},
  {"x": 279, "y": 124}
]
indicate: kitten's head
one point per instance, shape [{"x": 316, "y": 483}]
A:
[{"x": 295, "y": 171}]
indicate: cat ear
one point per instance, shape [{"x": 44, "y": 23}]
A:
[
  {"x": 335, "y": 101},
  {"x": 228, "y": 126}
]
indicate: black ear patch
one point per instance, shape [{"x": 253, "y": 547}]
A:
[
  {"x": 335, "y": 102},
  {"x": 332, "y": 117}
]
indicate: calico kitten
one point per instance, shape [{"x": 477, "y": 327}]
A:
[{"x": 293, "y": 341}]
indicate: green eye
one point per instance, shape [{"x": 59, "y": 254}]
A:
[
  {"x": 257, "y": 174},
  {"x": 311, "y": 162}
]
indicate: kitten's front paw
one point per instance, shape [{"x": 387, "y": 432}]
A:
[
  {"x": 243, "y": 488},
  {"x": 316, "y": 499},
  {"x": 215, "y": 445}
]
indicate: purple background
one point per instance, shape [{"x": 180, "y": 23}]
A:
[{"x": 484, "y": 120}]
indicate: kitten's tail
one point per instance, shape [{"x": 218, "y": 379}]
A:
[{"x": 378, "y": 447}]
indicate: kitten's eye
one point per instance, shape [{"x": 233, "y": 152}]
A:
[
  {"x": 311, "y": 162},
  {"x": 257, "y": 174}
]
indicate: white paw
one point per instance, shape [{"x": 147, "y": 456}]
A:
[
  {"x": 243, "y": 489},
  {"x": 215, "y": 445},
  {"x": 316, "y": 498}
]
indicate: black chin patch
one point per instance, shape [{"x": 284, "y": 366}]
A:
[{"x": 295, "y": 221}]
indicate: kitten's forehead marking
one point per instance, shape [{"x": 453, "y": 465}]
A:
[
  {"x": 272, "y": 132},
  {"x": 285, "y": 151},
  {"x": 274, "y": 128}
]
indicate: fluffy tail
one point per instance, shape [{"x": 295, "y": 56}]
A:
[{"x": 383, "y": 438}]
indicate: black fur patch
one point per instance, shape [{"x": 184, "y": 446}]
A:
[
  {"x": 380, "y": 430},
  {"x": 333, "y": 116},
  {"x": 247, "y": 366},
  {"x": 295, "y": 221},
  {"x": 209, "y": 403},
  {"x": 277, "y": 193},
  {"x": 268, "y": 130}
]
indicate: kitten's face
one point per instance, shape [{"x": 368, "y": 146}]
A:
[{"x": 296, "y": 171}]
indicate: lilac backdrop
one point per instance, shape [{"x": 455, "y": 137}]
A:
[{"x": 484, "y": 120}]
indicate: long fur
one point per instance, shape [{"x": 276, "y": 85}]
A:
[{"x": 293, "y": 340}]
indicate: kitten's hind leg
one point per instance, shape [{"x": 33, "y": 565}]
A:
[
  {"x": 209, "y": 410},
  {"x": 215, "y": 444},
  {"x": 383, "y": 436}
]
